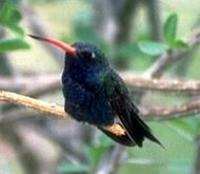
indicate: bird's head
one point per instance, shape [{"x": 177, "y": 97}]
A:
[{"x": 79, "y": 54}]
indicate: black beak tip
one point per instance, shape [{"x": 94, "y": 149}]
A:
[{"x": 34, "y": 37}]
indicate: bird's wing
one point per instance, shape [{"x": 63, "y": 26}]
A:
[{"x": 125, "y": 109}]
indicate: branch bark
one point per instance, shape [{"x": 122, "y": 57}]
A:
[
  {"x": 52, "y": 82},
  {"x": 157, "y": 113},
  {"x": 32, "y": 103},
  {"x": 52, "y": 109},
  {"x": 162, "y": 113},
  {"x": 172, "y": 85}
]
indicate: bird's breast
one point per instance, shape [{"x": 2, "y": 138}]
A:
[{"x": 86, "y": 105}]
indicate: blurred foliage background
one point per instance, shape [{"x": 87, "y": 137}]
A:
[{"x": 132, "y": 33}]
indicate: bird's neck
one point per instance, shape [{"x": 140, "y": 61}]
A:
[{"x": 90, "y": 77}]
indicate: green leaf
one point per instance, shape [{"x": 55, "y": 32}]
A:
[
  {"x": 17, "y": 29},
  {"x": 170, "y": 28},
  {"x": 10, "y": 14},
  {"x": 180, "y": 45},
  {"x": 15, "y": 16},
  {"x": 73, "y": 168},
  {"x": 10, "y": 18},
  {"x": 152, "y": 48},
  {"x": 12, "y": 44}
]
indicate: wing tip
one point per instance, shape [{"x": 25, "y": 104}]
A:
[{"x": 155, "y": 140}]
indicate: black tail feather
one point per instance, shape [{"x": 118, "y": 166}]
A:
[
  {"x": 128, "y": 139},
  {"x": 154, "y": 139},
  {"x": 137, "y": 129},
  {"x": 147, "y": 132}
]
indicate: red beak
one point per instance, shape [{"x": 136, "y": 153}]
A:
[{"x": 66, "y": 47}]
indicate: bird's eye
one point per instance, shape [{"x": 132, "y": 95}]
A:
[
  {"x": 88, "y": 54},
  {"x": 93, "y": 55}
]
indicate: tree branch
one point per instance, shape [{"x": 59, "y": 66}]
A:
[
  {"x": 52, "y": 109},
  {"x": 25, "y": 84},
  {"x": 162, "y": 113},
  {"x": 58, "y": 111},
  {"x": 52, "y": 82},
  {"x": 41, "y": 106},
  {"x": 172, "y": 85}
]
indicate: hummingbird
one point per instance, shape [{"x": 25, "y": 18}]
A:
[{"x": 95, "y": 94}]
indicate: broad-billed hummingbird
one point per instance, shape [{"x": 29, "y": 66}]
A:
[{"x": 94, "y": 93}]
